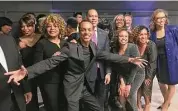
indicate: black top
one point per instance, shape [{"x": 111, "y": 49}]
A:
[
  {"x": 45, "y": 49},
  {"x": 86, "y": 56},
  {"x": 161, "y": 46}
]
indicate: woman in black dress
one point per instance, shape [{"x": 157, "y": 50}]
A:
[
  {"x": 50, "y": 83},
  {"x": 26, "y": 43}
]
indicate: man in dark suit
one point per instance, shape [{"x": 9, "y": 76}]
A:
[
  {"x": 11, "y": 95},
  {"x": 103, "y": 69},
  {"x": 79, "y": 81}
]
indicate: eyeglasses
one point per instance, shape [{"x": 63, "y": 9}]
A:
[{"x": 161, "y": 18}]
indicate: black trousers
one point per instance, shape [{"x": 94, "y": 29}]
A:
[
  {"x": 101, "y": 91},
  {"x": 33, "y": 104},
  {"x": 89, "y": 101},
  {"x": 53, "y": 96}
]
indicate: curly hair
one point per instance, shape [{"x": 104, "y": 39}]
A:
[
  {"x": 153, "y": 17},
  {"x": 56, "y": 19},
  {"x": 134, "y": 37}
]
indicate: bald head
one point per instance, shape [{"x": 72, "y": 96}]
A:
[{"x": 92, "y": 16}]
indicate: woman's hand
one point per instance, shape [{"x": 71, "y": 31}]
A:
[
  {"x": 121, "y": 89},
  {"x": 127, "y": 90}
]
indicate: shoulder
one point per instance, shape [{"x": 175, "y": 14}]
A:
[{"x": 102, "y": 31}]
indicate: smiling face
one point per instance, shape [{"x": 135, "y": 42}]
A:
[
  {"x": 86, "y": 31},
  {"x": 160, "y": 19},
  {"x": 128, "y": 20},
  {"x": 27, "y": 30},
  {"x": 52, "y": 29},
  {"x": 123, "y": 37},
  {"x": 119, "y": 21},
  {"x": 143, "y": 36},
  {"x": 92, "y": 16}
]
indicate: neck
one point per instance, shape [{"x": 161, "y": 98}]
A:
[
  {"x": 30, "y": 36},
  {"x": 86, "y": 44},
  {"x": 142, "y": 44},
  {"x": 123, "y": 46},
  {"x": 54, "y": 39},
  {"x": 159, "y": 28},
  {"x": 95, "y": 28}
]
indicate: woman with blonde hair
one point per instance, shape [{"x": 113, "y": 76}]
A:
[
  {"x": 50, "y": 83},
  {"x": 166, "y": 39},
  {"x": 147, "y": 51}
]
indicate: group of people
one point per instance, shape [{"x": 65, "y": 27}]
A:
[{"x": 79, "y": 66}]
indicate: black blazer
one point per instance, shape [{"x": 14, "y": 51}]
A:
[
  {"x": 73, "y": 54},
  {"x": 13, "y": 59}
]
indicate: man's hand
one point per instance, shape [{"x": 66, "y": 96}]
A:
[
  {"x": 139, "y": 62},
  {"x": 107, "y": 79},
  {"x": 28, "y": 97},
  {"x": 17, "y": 75}
]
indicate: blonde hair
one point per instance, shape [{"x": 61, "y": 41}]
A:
[
  {"x": 56, "y": 19},
  {"x": 153, "y": 17}
]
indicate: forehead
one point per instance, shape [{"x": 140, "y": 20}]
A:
[
  {"x": 143, "y": 31},
  {"x": 160, "y": 14},
  {"x": 92, "y": 12},
  {"x": 128, "y": 17},
  {"x": 86, "y": 25},
  {"x": 123, "y": 32},
  {"x": 120, "y": 17}
]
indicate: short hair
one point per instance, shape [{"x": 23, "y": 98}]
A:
[
  {"x": 72, "y": 21},
  {"x": 5, "y": 21},
  {"x": 77, "y": 13},
  {"x": 83, "y": 22},
  {"x": 28, "y": 20},
  {"x": 40, "y": 16}
]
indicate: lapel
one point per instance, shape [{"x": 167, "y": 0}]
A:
[
  {"x": 80, "y": 50},
  {"x": 98, "y": 36},
  {"x": 93, "y": 48}
]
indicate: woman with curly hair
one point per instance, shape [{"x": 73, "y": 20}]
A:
[
  {"x": 166, "y": 39},
  {"x": 147, "y": 50},
  {"x": 50, "y": 83}
]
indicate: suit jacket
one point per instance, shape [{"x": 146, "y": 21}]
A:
[
  {"x": 103, "y": 44},
  {"x": 13, "y": 60},
  {"x": 171, "y": 45},
  {"x": 76, "y": 72}
]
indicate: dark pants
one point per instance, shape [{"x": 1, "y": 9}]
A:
[
  {"x": 101, "y": 91},
  {"x": 33, "y": 104},
  {"x": 52, "y": 94},
  {"x": 87, "y": 99}
]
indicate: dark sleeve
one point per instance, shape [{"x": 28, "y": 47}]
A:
[
  {"x": 48, "y": 64},
  {"x": 110, "y": 57},
  {"x": 134, "y": 53},
  {"x": 38, "y": 54},
  {"x": 152, "y": 59},
  {"x": 107, "y": 48}
]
